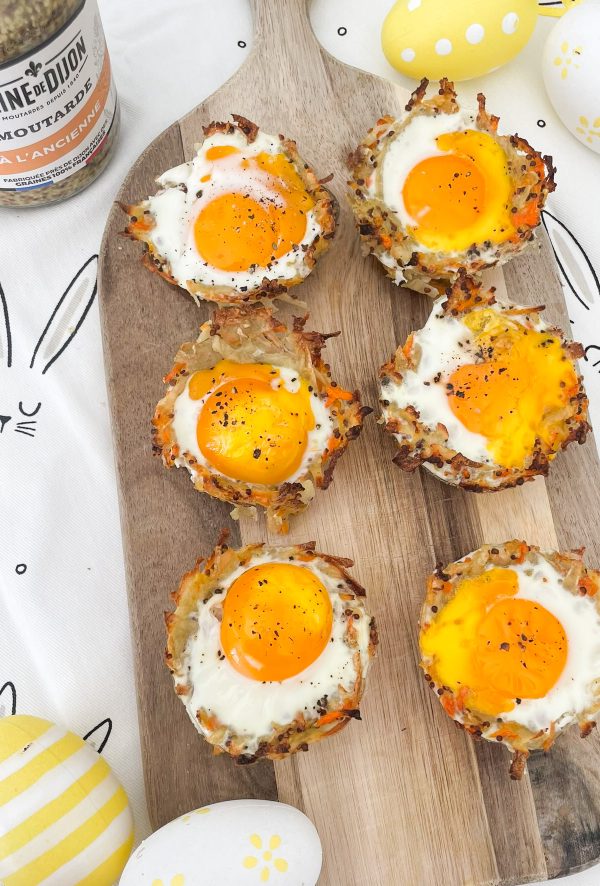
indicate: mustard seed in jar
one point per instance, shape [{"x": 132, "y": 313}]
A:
[{"x": 59, "y": 114}]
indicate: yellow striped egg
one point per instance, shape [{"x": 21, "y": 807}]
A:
[{"x": 64, "y": 817}]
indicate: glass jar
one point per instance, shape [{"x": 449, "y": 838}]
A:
[{"x": 59, "y": 114}]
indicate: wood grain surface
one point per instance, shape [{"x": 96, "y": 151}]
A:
[{"x": 402, "y": 797}]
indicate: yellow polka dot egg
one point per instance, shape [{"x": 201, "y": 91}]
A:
[
  {"x": 64, "y": 818},
  {"x": 571, "y": 70},
  {"x": 234, "y": 843},
  {"x": 460, "y": 39}
]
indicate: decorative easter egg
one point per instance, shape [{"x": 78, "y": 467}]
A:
[
  {"x": 64, "y": 817},
  {"x": 458, "y": 39},
  {"x": 235, "y": 843},
  {"x": 571, "y": 69}
]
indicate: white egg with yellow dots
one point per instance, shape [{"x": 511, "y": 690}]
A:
[
  {"x": 458, "y": 40},
  {"x": 234, "y": 843},
  {"x": 64, "y": 818},
  {"x": 571, "y": 70}
]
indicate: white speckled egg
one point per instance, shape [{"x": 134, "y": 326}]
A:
[
  {"x": 235, "y": 843},
  {"x": 458, "y": 39},
  {"x": 64, "y": 817},
  {"x": 571, "y": 69}
]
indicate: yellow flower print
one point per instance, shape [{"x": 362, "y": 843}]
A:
[
  {"x": 569, "y": 56},
  {"x": 177, "y": 880},
  {"x": 204, "y": 811},
  {"x": 265, "y": 857},
  {"x": 590, "y": 130}
]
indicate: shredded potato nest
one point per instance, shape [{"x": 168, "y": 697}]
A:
[
  {"x": 251, "y": 334},
  {"x": 441, "y": 588},
  {"x": 332, "y": 712},
  {"x": 421, "y": 444},
  {"x": 325, "y": 208},
  {"x": 382, "y": 231}
]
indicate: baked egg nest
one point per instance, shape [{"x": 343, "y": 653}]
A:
[
  {"x": 510, "y": 644},
  {"x": 439, "y": 190},
  {"x": 485, "y": 395},
  {"x": 252, "y": 412},
  {"x": 269, "y": 648},
  {"x": 244, "y": 221}
]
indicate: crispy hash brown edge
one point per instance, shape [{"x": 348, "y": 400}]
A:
[
  {"x": 381, "y": 230},
  {"x": 199, "y": 585},
  {"x": 441, "y": 588},
  {"x": 423, "y": 445},
  {"x": 238, "y": 333},
  {"x": 326, "y": 209}
]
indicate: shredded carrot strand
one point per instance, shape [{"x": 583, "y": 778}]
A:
[
  {"x": 173, "y": 373},
  {"x": 334, "y": 394}
]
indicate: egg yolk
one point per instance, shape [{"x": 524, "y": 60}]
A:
[
  {"x": 497, "y": 648},
  {"x": 515, "y": 396},
  {"x": 462, "y": 195},
  {"x": 251, "y": 427},
  {"x": 238, "y": 230},
  {"x": 277, "y": 620}
]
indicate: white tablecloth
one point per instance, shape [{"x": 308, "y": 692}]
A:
[{"x": 65, "y": 641}]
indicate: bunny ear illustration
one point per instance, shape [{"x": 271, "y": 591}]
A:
[
  {"x": 575, "y": 267},
  {"x": 68, "y": 315},
  {"x": 8, "y": 700},
  {"x": 5, "y": 336},
  {"x": 99, "y": 735}
]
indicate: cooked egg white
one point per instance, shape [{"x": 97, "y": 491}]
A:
[
  {"x": 521, "y": 646},
  {"x": 234, "y": 214},
  {"x": 270, "y": 646},
  {"x": 445, "y": 343},
  {"x": 257, "y": 423},
  {"x": 490, "y": 379},
  {"x": 448, "y": 183}
]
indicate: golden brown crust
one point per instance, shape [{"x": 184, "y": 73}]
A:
[
  {"x": 420, "y": 444},
  {"x": 441, "y": 588},
  {"x": 238, "y": 333},
  {"x": 141, "y": 224},
  {"x": 331, "y": 713},
  {"x": 246, "y": 126},
  {"x": 382, "y": 232}
]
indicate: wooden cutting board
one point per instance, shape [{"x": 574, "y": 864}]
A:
[{"x": 402, "y": 797}]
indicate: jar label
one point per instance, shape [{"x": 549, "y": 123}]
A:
[{"x": 57, "y": 105}]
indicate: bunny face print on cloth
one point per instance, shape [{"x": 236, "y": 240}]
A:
[
  {"x": 60, "y": 330},
  {"x": 54, "y": 574},
  {"x": 64, "y": 626}
]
